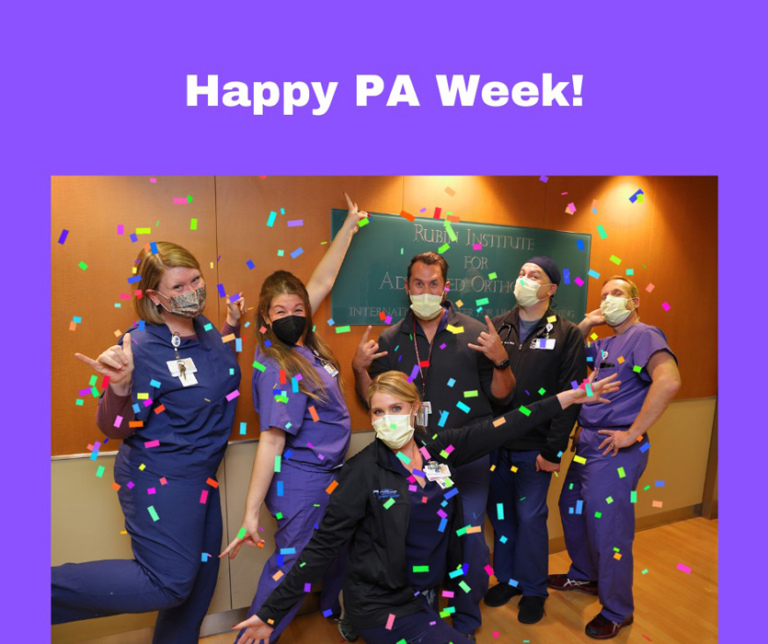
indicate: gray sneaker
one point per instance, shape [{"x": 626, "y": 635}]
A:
[{"x": 346, "y": 629}]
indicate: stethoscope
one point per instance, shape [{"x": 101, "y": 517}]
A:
[{"x": 547, "y": 329}]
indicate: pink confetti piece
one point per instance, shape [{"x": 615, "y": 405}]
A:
[
  {"x": 571, "y": 208},
  {"x": 448, "y": 593},
  {"x": 118, "y": 421},
  {"x": 163, "y": 481},
  {"x": 477, "y": 247},
  {"x": 425, "y": 453},
  {"x": 203, "y": 496},
  {"x": 665, "y": 306},
  {"x": 684, "y": 569},
  {"x": 152, "y": 180},
  {"x": 179, "y": 200},
  {"x": 650, "y": 287},
  {"x": 658, "y": 504},
  {"x": 151, "y": 491},
  {"x": 390, "y": 622},
  {"x": 154, "y": 443},
  {"x": 578, "y": 281},
  {"x": 233, "y": 395},
  {"x": 489, "y": 570}
]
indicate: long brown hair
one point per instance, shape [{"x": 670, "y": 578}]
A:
[
  {"x": 152, "y": 267},
  {"x": 292, "y": 362}
]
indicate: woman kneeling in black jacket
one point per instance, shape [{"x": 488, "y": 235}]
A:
[{"x": 397, "y": 503}]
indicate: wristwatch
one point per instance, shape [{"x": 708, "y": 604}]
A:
[{"x": 502, "y": 365}]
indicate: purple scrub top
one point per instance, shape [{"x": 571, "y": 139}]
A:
[
  {"x": 319, "y": 444},
  {"x": 621, "y": 354}
]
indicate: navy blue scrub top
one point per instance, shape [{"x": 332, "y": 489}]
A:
[
  {"x": 193, "y": 423},
  {"x": 425, "y": 543}
]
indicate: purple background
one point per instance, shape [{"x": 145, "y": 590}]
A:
[{"x": 99, "y": 88}]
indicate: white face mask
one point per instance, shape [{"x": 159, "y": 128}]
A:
[
  {"x": 614, "y": 309},
  {"x": 394, "y": 431},
  {"x": 426, "y": 306},
  {"x": 526, "y": 292}
]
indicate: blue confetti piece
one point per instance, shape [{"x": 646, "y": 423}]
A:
[
  {"x": 250, "y": 264},
  {"x": 327, "y": 613},
  {"x": 238, "y": 344},
  {"x": 633, "y": 198},
  {"x": 287, "y": 453},
  {"x": 243, "y": 427},
  {"x": 133, "y": 279},
  {"x": 443, "y": 418},
  {"x": 645, "y": 447},
  {"x": 153, "y": 247},
  {"x": 280, "y": 489},
  {"x": 297, "y": 252},
  {"x": 513, "y": 582},
  {"x": 579, "y": 506},
  {"x": 659, "y": 483},
  {"x": 271, "y": 220},
  {"x": 414, "y": 371},
  {"x": 503, "y": 539},
  {"x": 566, "y": 276},
  {"x": 453, "y": 492},
  {"x": 280, "y": 561},
  {"x": 63, "y": 236},
  {"x": 154, "y": 383},
  {"x": 142, "y": 325},
  {"x": 593, "y": 273},
  {"x": 463, "y": 407},
  {"x": 451, "y": 382},
  {"x": 77, "y": 319},
  {"x": 222, "y": 292},
  {"x": 134, "y": 237},
  {"x": 443, "y": 523},
  {"x": 287, "y": 551},
  {"x": 136, "y": 409},
  {"x": 330, "y": 322},
  {"x": 580, "y": 244}
]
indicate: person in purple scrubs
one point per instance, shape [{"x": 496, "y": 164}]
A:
[
  {"x": 305, "y": 424},
  {"x": 399, "y": 509},
  {"x": 596, "y": 504}
]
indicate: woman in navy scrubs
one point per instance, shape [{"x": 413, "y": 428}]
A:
[
  {"x": 396, "y": 502},
  {"x": 170, "y": 399}
]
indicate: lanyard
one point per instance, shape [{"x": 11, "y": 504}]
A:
[
  {"x": 176, "y": 342},
  {"x": 429, "y": 355}
]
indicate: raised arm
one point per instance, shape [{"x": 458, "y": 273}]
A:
[
  {"x": 324, "y": 275},
  {"x": 591, "y": 320}
]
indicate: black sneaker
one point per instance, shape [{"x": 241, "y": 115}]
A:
[
  {"x": 500, "y": 594},
  {"x": 471, "y": 637},
  {"x": 564, "y": 582},
  {"x": 346, "y": 629},
  {"x": 531, "y": 609}
]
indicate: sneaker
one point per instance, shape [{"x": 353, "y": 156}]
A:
[
  {"x": 346, "y": 629},
  {"x": 602, "y": 628},
  {"x": 563, "y": 582},
  {"x": 531, "y": 609},
  {"x": 471, "y": 637},
  {"x": 500, "y": 594}
]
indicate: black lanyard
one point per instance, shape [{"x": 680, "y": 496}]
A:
[{"x": 429, "y": 356}]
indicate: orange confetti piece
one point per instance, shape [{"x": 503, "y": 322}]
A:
[
  {"x": 331, "y": 487},
  {"x": 212, "y": 483},
  {"x": 160, "y": 409},
  {"x": 313, "y": 413}
]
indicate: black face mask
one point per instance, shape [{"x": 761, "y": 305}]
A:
[{"x": 290, "y": 328}]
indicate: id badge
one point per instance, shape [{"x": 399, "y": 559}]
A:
[
  {"x": 331, "y": 369},
  {"x": 547, "y": 344},
  {"x": 436, "y": 471},
  {"x": 187, "y": 378},
  {"x": 422, "y": 417}
]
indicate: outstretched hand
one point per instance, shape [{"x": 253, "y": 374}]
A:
[
  {"x": 256, "y": 631},
  {"x": 116, "y": 362},
  {"x": 251, "y": 538}
]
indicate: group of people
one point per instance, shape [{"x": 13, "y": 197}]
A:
[{"x": 466, "y": 415}]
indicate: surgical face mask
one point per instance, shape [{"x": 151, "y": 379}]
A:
[
  {"x": 394, "y": 431},
  {"x": 526, "y": 292},
  {"x": 188, "y": 305},
  {"x": 290, "y": 328},
  {"x": 426, "y": 306},
  {"x": 614, "y": 309}
]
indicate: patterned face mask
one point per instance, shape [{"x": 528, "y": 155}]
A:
[{"x": 188, "y": 305}]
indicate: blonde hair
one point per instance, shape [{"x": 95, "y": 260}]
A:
[
  {"x": 152, "y": 267},
  {"x": 290, "y": 361},
  {"x": 394, "y": 383}
]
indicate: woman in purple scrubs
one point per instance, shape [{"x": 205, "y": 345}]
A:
[
  {"x": 305, "y": 425},
  {"x": 397, "y": 503},
  {"x": 596, "y": 504}
]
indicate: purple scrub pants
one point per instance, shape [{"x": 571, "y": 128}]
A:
[
  {"x": 167, "y": 574},
  {"x": 472, "y": 481},
  {"x": 521, "y": 540},
  {"x": 599, "y": 487},
  {"x": 302, "y": 491}
]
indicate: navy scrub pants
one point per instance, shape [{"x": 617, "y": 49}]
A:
[
  {"x": 472, "y": 482},
  {"x": 600, "y": 547},
  {"x": 520, "y": 537},
  {"x": 168, "y": 573}
]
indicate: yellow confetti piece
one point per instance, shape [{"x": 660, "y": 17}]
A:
[
  {"x": 552, "y": 319},
  {"x": 455, "y": 329},
  {"x": 513, "y": 469},
  {"x": 228, "y": 338},
  {"x": 459, "y": 303},
  {"x": 499, "y": 421},
  {"x": 593, "y": 336},
  {"x": 579, "y": 459}
]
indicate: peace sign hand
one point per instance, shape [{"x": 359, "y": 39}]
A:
[
  {"x": 117, "y": 363},
  {"x": 354, "y": 216},
  {"x": 489, "y": 343}
]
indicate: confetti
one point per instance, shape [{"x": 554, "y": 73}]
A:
[
  {"x": 665, "y": 306},
  {"x": 650, "y": 287},
  {"x": 293, "y": 223},
  {"x": 638, "y": 196},
  {"x": 601, "y": 232},
  {"x": 450, "y": 192},
  {"x": 684, "y": 569},
  {"x": 615, "y": 260},
  {"x": 543, "y": 179},
  {"x": 272, "y": 217},
  {"x": 571, "y": 208},
  {"x": 83, "y": 266},
  {"x": 153, "y": 513},
  {"x": 407, "y": 215}
]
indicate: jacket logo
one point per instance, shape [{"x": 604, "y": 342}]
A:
[{"x": 386, "y": 493}]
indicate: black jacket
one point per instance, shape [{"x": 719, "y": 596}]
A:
[
  {"x": 534, "y": 369},
  {"x": 470, "y": 369},
  {"x": 376, "y": 575}
]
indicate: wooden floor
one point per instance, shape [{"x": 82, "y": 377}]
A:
[{"x": 670, "y": 605}]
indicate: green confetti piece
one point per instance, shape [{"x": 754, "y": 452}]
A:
[
  {"x": 542, "y": 391},
  {"x": 92, "y": 381},
  {"x": 524, "y": 410},
  {"x": 280, "y": 253},
  {"x": 79, "y": 402},
  {"x": 630, "y": 271},
  {"x": 259, "y": 366},
  {"x": 646, "y": 488},
  {"x": 451, "y": 235},
  {"x": 443, "y": 248},
  {"x": 615, "y": 260},
  {"x": 609, "y": 500},
  {"x": 363, "y": 222},
  {"x": 481, "y": 302},
  {"x": 421, "y": 569},
  {"x": 444, "y": 454},
  {"x": 241, "y": 533},
  {"x": 143, "y": 231},
  {"x": 403, "y": 458},
  {"x": 153, "y": 513},
  {"x": 637, "y": 369},
  {"x": 633, "y": 496},
  {"x": 279, "y": 516},
  {"x": 471, "y": 394},
  {"x": 615, "y": 549},
  {"x": 277, "y": 463},
  {"x": 389, "y": 503},
  {"x": 463, "y": 585},
  {"x": 598, "y": 515},
  {"x": 207, "y": 327},
  {"x": 100, "y": 471},
  {"x": 342, "y": 329},
  {"x": 462, "y": 531},
  {"x": 601, "y": 232},
  {"x": 492, "y": 276},
  {"x": 193, "y": 224},
  {"x": 644, "y": 572},
  {"x": 83, "y": 265},
  {"x": 622, "y": 473}
]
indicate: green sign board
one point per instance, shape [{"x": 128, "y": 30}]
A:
[{"x": 484, "y": 261}]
